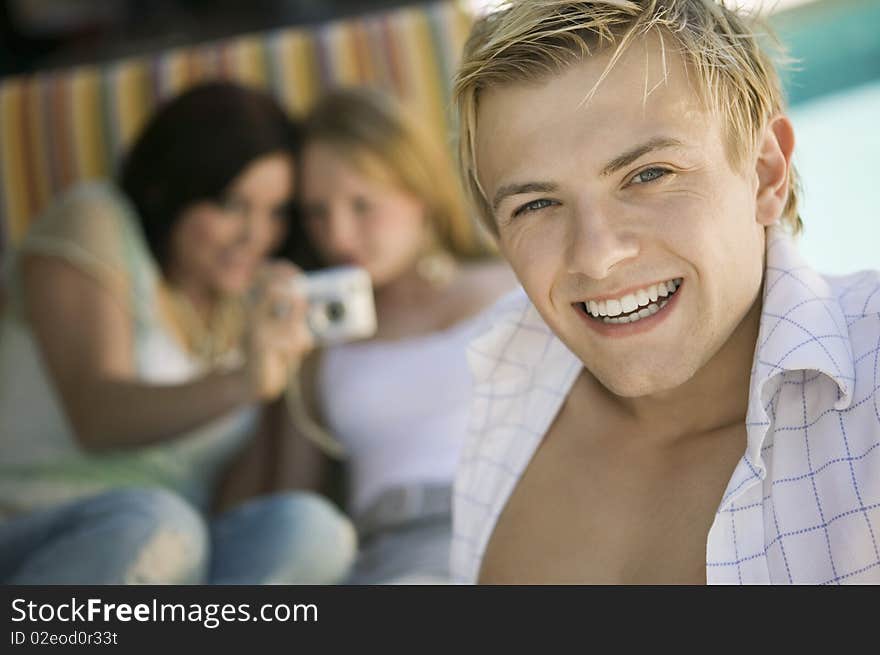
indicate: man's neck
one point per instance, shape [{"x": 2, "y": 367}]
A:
[{"x": 715, "y": 397}]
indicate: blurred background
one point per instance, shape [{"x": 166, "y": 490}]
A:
[
  {"x": 42, "y": 34},
  {"x": 834, "y": 93},
  {"x": 77, "y": 78}
]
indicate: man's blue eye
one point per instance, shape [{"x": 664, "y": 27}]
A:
[
  {"x": 532, "y": 206},
  {"x": 649, "y": 175}
]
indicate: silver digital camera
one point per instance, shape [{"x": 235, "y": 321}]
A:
[{"x": 340, "y": 304}]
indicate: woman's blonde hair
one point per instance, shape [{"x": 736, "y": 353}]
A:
[
  {"x": 527, "y": 40},
  {"x": 386, "y": 143}
]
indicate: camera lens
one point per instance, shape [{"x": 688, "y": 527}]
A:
[{"x": 335, "y": 311}]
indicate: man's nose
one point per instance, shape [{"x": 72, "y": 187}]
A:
[{"x": 598, "y": 241}]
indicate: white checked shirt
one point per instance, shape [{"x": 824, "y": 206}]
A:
[{"x": 803, "y": 504}]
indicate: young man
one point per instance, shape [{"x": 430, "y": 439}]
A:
[{"x": 677, "y": 397}]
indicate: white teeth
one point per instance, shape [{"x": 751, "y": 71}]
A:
[
  {"x": 644, "y": 312},
  {"x": 632, "y": 318},
  {"x": 629, "y": 303},
  {"x": 637, "y": 305}
]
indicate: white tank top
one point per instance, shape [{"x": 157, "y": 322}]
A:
[{"x": 400, "y": 408}]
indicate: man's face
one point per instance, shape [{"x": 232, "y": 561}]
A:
[{"x": 627, "y": 206}]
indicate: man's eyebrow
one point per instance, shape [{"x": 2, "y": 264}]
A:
[
  {"x": 519, "y": 188},
  {"x": 627, "y": 158},
  {"x": 631, "y": 155}
]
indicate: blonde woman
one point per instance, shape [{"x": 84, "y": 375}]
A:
[{"x": 379, "y": 192}]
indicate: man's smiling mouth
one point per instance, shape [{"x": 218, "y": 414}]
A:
[{"x": 631, "y": 307}]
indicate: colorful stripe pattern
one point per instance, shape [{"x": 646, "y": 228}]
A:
[{"x": 61, "y": 127}]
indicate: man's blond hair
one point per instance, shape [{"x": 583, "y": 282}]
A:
[{"x": 528, "y": 40}]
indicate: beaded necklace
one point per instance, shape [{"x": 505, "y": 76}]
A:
[{"x": 209, "y": 341}]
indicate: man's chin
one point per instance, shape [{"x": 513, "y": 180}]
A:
[{"x": 639, "y": 383}]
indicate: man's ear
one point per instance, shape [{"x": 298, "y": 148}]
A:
[{"x": 772, "y": 168}]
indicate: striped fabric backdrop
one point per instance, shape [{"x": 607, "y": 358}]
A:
[{"x": 61, "y": 127}]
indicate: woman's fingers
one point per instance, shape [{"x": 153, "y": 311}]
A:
[
  {"x": 279, "y": 333},
  {"x": 286, "y": 308}
]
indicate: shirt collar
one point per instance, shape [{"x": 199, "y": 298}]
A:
[
  {"x": 803, "y": 328},
  {"x": 507, "y": 348}
]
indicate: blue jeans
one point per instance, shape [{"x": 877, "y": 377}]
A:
[
  {"x": 415, "y": 553},
  {"x": 153, "y": 536}
]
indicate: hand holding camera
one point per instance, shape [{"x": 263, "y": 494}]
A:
[
  {"x": 291, "y": 312},
  {"x": 339, "y": 304},
  {"x": 278, "y": 337}
]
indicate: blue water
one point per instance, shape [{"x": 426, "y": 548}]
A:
[{"x": 838, "y": 155}]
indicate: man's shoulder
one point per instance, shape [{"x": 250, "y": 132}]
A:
[
  {"x": 521, "y": 370},
  {"x": 817, "y": 322},
  {"x": 859, "y": 296},
  {"x": 504, "y": 341},
  {"x": 499, "y": 320},
  {"x": 522, "y": 373}
]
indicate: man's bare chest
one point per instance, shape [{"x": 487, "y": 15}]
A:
[{"x": 586, "y": 511}]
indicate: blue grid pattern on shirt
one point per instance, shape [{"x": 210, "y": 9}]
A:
[{"x": 797, "y": 288}]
